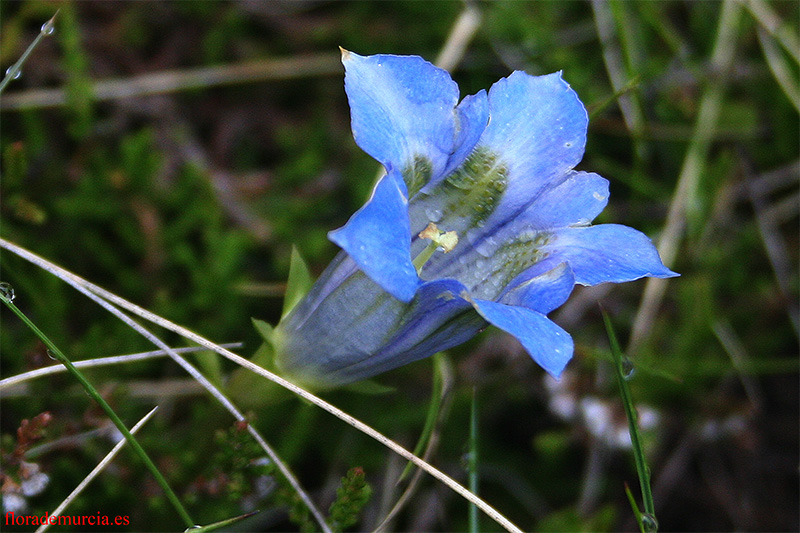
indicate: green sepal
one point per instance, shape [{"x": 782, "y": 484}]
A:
[
  {"x": 369, "y": 387},
  {"x": 211, "y": 365},
  {"x": 299, "y": 282},
  {"x": 249, "y": 390},
  {"x": 265, "y": 329}
]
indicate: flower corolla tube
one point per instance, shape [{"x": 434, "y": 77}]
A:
[{"x": 479, "y": 219}]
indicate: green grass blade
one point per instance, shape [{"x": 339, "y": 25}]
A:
[
  {"x": 433, "y": 412},
  {"x": 623, "y": 371},
  {"x": 92, "y": 392},
  {"x": 221, "y": 524},
  {"x": 472, "y": 462},
  {"x": 14, "y": 71}
]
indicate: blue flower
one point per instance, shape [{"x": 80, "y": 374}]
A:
[{"x": 480, "y": 219}]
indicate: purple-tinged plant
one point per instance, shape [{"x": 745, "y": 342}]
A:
[{"x": 480, "y": 219}]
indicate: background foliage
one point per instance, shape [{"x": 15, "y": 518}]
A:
[{"x": 188, "y": 201}]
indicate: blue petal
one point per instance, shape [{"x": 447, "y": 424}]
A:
[
  {"x": 437, "y": 319},
  {"x": 544, "y": 292},
  {"x": 359, "y": 331},
  {"x": 472, "y": 116},
  {"x": 576, "y": 201},
  {"x": 549, "y": 345},
  {"x": 538, "y": 129},
  {"x": 606, "y": 253},
  {"x": 378, "y": 238},
  {"x": 402, "y": 108}
]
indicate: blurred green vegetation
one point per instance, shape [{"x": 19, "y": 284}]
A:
[{"x": 188, "y": 202}]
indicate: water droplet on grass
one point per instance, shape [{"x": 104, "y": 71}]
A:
[
  {"x": 628, "y": 370},
  {"x": 51, "y": 355},
  {"x": 48, "y": 28},
  {"x": 17, "y": 75},
  {"x": 649, "y": 523},
  {"x": 434, "y": 215},
  {"x": 7, "y": 291}
]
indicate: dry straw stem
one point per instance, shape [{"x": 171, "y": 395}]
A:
[
  {"x": 100, "y": 361},
  {"x": 105, "y": 298},
  {"x": 179, "y": 80},
  {"x": 782, "y": 32},
  {"x": 774, "y": 245},
  {"x": 629, "y": 102},
  {"x": 458, "y": 40},
  {"x": 781, "y": 70},
  {"x": 684, "y": 200},
  {"x": 95, "y": 471}
]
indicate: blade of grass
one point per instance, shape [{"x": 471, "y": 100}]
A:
[
  {"x": 221, "y": 524},
  {"x": 610, "y": 23},
  {"x": 472, "y": 462},
  {"x": 634, "y": 507},
  {"x": 92, "y": 392},
  {"x": 107, "y": 297},
  {"x": 440, "y": 389},
  {"x": 770, "y": 21},
  {"x": 685, "y": 202},
  {"x": 14, "y": 71},
  {"x": 647, "y": 521},
  {"x": 95, "y": 471},
  {"x": 780, "y": 68},
  {"x": 443, "y": 381}
]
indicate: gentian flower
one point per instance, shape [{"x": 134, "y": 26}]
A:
[{"x": 480, "y": 219}]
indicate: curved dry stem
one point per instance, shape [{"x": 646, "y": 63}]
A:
[
  {"x": 100, "y": 361},
  {"x": 98, "y": 293}
]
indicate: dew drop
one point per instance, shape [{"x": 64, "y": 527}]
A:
[
  {"x": 628, "y": 370},
  {"x": 51, "y": 355},
  {"x": 48, "y": 28},
  {"x": 7, "y": 291},
  {"x": 649, "y": 523},
  {"x": 434, "y": 215},
  {"x": 17, "y": 75},
  {"x": 191, "y": 528}
]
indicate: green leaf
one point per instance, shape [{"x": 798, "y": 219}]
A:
[
  {"x": 299, "y": 282},
  {"x": 624, "y": 371},
  {"x": 218, "y": 525},
  {"x": 251, "y": 391}
]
